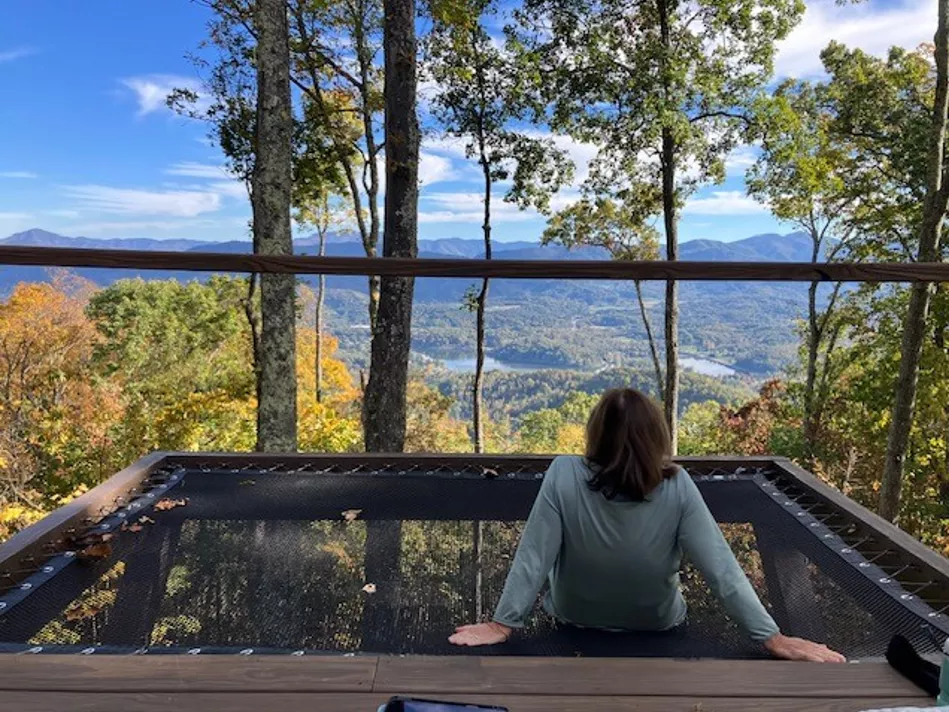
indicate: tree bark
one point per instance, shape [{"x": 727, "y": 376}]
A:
[
  {"x": 653, "y": 351},
  {"x": 384, "y": 410},
  {"x": 813, "y": 344},
  {"x": 670, "y": 220},
  {"x": 482, "y": 303},
  {"x": 671, "y": 393},
  {"x": 914, "y": 326},
  {"x": 277, "y": 406},
  {"x": 318, "y": 322}
]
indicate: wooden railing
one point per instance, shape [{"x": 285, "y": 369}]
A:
[{"x": 472, "y": 268}]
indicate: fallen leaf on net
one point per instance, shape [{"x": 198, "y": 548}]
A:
[
  {"x": 489, "y": 473},
  {"x": 145, "y": 520},
  {"x": 248, "y": 482},
  {"x": 163, "y": 505},
  {"x": 80, "y": 612},
  {"x": 350, "y": 514},
  {"x": 369, "y": 588},
  {"x": 95, "y": 552}
]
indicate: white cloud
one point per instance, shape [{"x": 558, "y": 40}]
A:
[
  {"x": 435, "y": 169},
  {"x": 161, "y": 228},
  {"x": 469, "y": 208},
  {"x": 740, "y": 160},
  {"x": 12, "y": 217},
  {"x": 71, "y": 214},
  {"x": 18, "y": 174},
  {"x": 230, "y": 189},
  {"x": 174, "y": 203},
  {"x": 725, "y": 202},
  {"x": 16, "y": 53},
  {"x": 193, "y": 169},
  {"x": 873, "y": 27},
  {"x": 152, "y": 90}
]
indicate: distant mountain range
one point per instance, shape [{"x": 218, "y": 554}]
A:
[{"x": 748, "y": 325}]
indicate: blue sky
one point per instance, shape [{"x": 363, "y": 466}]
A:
[{"x": 89, "y": 149}]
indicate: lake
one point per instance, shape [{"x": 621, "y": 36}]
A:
[{"x": 692, "y": 363}]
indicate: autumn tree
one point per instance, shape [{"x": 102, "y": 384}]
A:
[
  {"x": 479, "y": 100},
  {"x": 664, "y": 89},
  {"x": 802, "y": 175}
]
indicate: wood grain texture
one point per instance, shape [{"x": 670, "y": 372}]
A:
[
  {"x": 34, "y": 540},
  {"x": 510, "y": 269},
  {"x": 647, "y": 677},
  {"x": 348, "y": 702},
  {"x": 905, "y": 544},
  {"x": 186, "y": 673}
]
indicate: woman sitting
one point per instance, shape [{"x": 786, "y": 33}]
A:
[{"x": 608, "y": 532}]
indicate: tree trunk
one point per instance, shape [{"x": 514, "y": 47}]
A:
[
  {"x": 277, "y": 406},
  {"x": 810, "y": 381},
  {"x": 670, "y": 220},
  {"x": 914, "y": 326},
  {"x": 653, "y": 351},
  {"x": 482, "y": 302},
  {"x": 318, "y": 323},
  {"x": 671, "y": 393},
  {"x": 384, "y": 415}
]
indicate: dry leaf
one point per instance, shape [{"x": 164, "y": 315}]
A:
[
  {"x": 248, "y": 482},
  {"x": 145, "y": 520},
  {"x": 350, "y": 514},
  {"x": 489, "y": 473},
  {"x": 80, "y": 612},
  {"x": 95, "y": 552},
  {"x": 369, "y": 588},
  {"x": 163, "y": 505}
]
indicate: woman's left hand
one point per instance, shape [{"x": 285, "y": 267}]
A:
[{"x": 480, "y": 634}]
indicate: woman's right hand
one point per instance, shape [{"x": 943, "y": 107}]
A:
[
  {"x": 781, "y": 646},
  {"x": 480, "y": 634}
]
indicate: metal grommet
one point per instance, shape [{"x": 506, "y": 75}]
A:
[
  {"x": 886, "y": 580},
  {"x": 800, "y": 514},
  {"x": 194, "y": 651},
  {"x": 906, "y": 597},
  {"x": 828, "y": 536},
  {"x": 47, "y": 569},
  {"x": 846, "y": 551},
  {"x": 35, "y": 650},
  {"x": 87, "y": 651},
  {"x": 105, "y": 526},
  {"x": 815, "y": 524},
  {"x": 121, "y": 515},
  {"x": 70, "y": 554},
  {"x": 297, "y": 653},
  {"x": 864, "y": 564},
  {"x": 150, "y": 495},
  {"x": 247, "y": 651},
  {"x": 26, "y": 586},
  {"x": 3, "y": 604}
]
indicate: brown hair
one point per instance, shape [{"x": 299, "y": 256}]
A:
[{"x": 628, "y": 445}]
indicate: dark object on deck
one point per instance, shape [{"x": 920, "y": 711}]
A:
[
  {"x": 908, "y": 663},
  {"x": 375, "y": 554}
]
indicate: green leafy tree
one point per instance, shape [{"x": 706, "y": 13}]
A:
[
  {"x": 664, "y": 89},
  {"x": 802, "y": 175},
  {"x": 479, "y": 101}
]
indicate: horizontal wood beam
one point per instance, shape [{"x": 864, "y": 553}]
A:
[{"x": 464, "y": 268}]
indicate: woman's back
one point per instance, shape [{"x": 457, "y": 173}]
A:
[{"x": 619, "y": 560}]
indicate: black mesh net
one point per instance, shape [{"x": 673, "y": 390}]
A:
[{"x": 279, "y": 560}]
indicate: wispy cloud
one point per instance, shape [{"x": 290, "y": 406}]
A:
[
  {"x": 70, "y": 214},
  {"x": 26, "y": 175},
  {"x": 173, "y": 203},
  {"x": 194, "y": 169},
  {"x": 449, "y": 207},
  {"x": 13, "y": 217},
  {"x": 11, "y": 55},
  {"x": 725, "y": 202},
  {"x": 152, "y": 90},
  {"x": 873, "y": 26}
]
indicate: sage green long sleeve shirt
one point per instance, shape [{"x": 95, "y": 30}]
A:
[{"x": 615, "y": 564}]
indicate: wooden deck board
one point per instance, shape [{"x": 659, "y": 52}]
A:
[
  {"x": 592, "y": 676},
  {"x": 361, "y": 702},
  {"x": 31, "y": 683}
]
